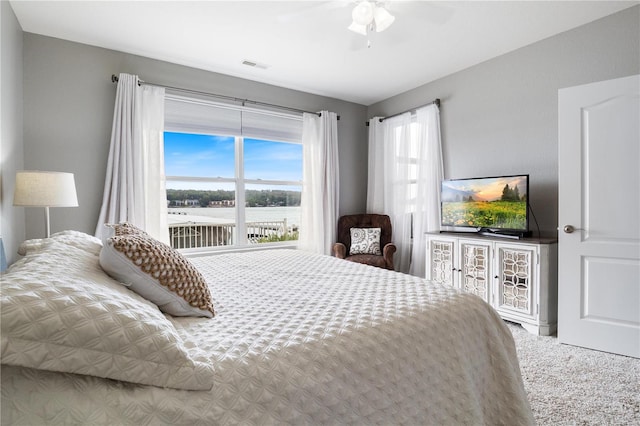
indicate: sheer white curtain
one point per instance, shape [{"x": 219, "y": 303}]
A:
[
  {"x": 375, "y": 196},
  {"x": 396, "y": 189},
  {"x": 319, "y": 203},
  {"x": 405, "y": 171},
  {"x": 134, "y": 189},
  {"x": 430, "y": 174}
]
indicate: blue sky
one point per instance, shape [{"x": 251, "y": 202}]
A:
[{"x": 213, "y": 156}]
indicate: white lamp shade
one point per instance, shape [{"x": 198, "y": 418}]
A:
[
  {"x": 383, "y": 18},
  {"x": 45, "y": 189}
]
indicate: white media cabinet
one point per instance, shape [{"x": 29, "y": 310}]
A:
[{"x": 518, "y": 277}]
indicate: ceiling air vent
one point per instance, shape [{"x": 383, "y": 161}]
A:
[{"x": 254, "y": 64}]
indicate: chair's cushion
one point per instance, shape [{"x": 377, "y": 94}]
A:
[
  {"x": 369, "y": 259},
  {"x": 155, "y": 271},
  {"x": 365, "y": 241}
]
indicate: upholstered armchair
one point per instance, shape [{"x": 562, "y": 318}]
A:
[{"x": 362, "y": 224}]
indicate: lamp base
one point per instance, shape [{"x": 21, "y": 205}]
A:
[{"x": 47, "y": 228}]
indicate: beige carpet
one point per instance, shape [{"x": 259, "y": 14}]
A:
[{"x": 568, "y": 385}]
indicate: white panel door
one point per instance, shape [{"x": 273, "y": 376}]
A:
[{"x": 599, "y": 216}]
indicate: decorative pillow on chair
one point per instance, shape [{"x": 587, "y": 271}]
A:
[
  {"x": 155, "y": 271},
  {"x": 365, "y": 241}
]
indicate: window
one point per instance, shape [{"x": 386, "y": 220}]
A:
[
  {"x": 406, "y": 149},
  {"x": 233, "y": 175}
]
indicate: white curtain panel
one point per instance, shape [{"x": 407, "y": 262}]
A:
[
  {"x": 430, "y": 174},
  {"x": 118, "y": 199},
  {"x": 151, "y": 132},
  {"x": 134, "y": 189},
  {"x": 320, "y": 194},
  {"x": 397, "y": 175},
  {"x": 375, "y": 196},
  {"x": 405, "y": 171}
]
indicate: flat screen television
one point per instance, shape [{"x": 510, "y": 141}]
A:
[{"x": 494, "y": 205}]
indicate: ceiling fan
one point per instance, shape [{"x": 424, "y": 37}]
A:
[
  {"x": 372, "y": 16},
  {"x": 369, "y": 16}
]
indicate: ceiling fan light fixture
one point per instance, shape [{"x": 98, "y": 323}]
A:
[
  {"x": 367, "y": 15},
  {"x": 357, "y": 28},
  {"x": 383, "y": 18},
  {"x": 363, "y": 13}
]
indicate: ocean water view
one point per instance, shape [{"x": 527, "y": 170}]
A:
[{"x": 227, "y": 214}]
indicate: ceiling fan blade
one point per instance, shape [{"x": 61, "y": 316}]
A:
[
  {"x": 437, "y": 12},
  {"x": 312, "y": 8}
]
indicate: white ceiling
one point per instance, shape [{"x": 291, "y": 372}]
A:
[{"x": 305, "y": 44}]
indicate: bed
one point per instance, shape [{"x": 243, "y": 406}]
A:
[{"x": 297, "y": 338}]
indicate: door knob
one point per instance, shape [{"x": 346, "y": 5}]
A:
[{"x": 568, "y": 229}]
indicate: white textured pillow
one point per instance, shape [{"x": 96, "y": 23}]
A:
[
  {"x": 365, "y": 241},
  {"x": 83, "y": 241},
  {"x": 61, "y": 312},
  {"x": 155, "y": 271}
]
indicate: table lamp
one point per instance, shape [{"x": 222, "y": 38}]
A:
[{"x": 45, "y": 189}]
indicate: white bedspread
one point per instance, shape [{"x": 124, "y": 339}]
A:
[{"x": 307, "y": 339}]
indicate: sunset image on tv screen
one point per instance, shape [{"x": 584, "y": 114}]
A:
[{"x": 494, "y": 203}]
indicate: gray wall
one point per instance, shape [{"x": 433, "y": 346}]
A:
[
  {"x": 68, "y": 110},
  {"x": 12, "y": 223},
  {"x": 501, "y": 116}
]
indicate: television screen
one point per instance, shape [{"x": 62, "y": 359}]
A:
[{"x": 491, "y": 203}]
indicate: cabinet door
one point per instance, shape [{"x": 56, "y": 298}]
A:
[
  {"x": 515, "y": 269},
  {"x": 440, "y": 265},
  {"x": 475, "y": 268}
]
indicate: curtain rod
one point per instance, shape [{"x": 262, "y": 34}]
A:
[
  {"x": 435, "y": 102},
  {"x": 114, "y": 79}
]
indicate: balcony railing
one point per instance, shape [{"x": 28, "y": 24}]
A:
[{"x": 198, "y": 235}]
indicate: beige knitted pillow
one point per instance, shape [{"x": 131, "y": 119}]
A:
[
  {"x": 155, "y": 271},
  {"x": 124, "y": 228}
]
